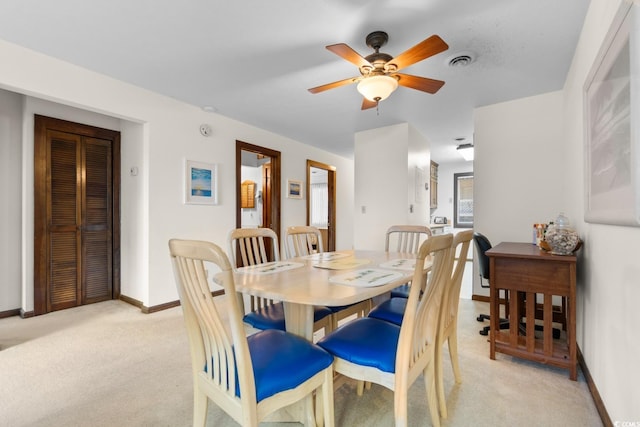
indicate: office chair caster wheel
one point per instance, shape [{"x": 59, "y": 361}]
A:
[{"x": 482, "y": 318}]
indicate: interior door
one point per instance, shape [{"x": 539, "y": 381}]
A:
[
  {"x": 76, "y": 215},
  {"x": 321, "y": 194}
]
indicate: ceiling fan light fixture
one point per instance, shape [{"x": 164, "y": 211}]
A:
[{"x": 377, "y": 88}]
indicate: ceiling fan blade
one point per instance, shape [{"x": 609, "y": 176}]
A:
[
  {"x": 420, "y": 83},
  {"x": 333, "y": 85},
  {"x": 346, "y": 52},
  {"x": 426, "y": 48},
  {"x": 366, "y": 104}
]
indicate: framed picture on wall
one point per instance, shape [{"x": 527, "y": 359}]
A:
[
  {"x": 612, "y": 154},
  {"x": 201, "y": 183},
  {"x": 294, "y": 189}
]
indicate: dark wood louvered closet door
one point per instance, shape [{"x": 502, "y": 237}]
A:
[
  {"x": 96, "y": 236},
  {"x": 76, "y": 229}
]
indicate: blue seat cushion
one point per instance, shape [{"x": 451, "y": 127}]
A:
[
  {"x": 282, "y": 361},
  {"x": 272, "y": 316},
  {"x": 365, "y": 341},
  {"x": 401, "y": 291},
  {"x": 391, "y": 310}
]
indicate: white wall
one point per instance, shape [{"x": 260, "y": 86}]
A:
[
  {"x": 518, "y": 168},
  {"x": 609, "y": 270},
  {"x": 385, "y": 162},
  {"x": 419, "y": 163},
  {"x": 11, "y": 206},
  {"x": 158, "y": 133}
]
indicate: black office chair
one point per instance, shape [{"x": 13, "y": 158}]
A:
[{"x": 482, "y": 245}]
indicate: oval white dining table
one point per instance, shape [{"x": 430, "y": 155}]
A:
[
  {"x": 300, "y": 283},
  {"x": 312, "y": 282}
]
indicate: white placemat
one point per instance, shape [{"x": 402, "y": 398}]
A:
[
  {"x": 270, "y": 267},
  {"x": 326, "y": 256},
  {"x": 342, "y": 264},
  {"x": 367, "y": 277},
  {"x": 400, "y": 264}
]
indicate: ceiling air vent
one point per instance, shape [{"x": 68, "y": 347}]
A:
[{"x": 461, "y": 59}]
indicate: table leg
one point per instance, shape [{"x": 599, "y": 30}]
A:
[
  {"x": 299, "y": 320},
  {"x": 494, "y": 317}
]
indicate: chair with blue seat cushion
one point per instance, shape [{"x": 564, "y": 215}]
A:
[
  {"x": 405, "y": 238},
  {"x": 248, "y": 377},
  {"x": 448, "y": 331},
  {"x": 401, "y": 238},
  {"x": 302, "y": 241},
  {"x": 392, "y": 310},
  {"x": 253, "y": 246},
  {"x": 373, "y": 350}
]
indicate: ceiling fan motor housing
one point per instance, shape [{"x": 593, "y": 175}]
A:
[
  {"x": 378, "y": 59},
  {"x": 377, "y": 39}
]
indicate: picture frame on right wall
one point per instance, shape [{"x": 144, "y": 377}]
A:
[{"x": 611, "y": 99}]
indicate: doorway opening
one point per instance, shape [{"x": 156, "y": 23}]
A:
[
  {"x": 257, "y": 187},
  {"x": 321, "y": 201}
]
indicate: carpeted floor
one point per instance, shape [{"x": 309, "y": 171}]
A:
[{"x": 108, "y": 364}]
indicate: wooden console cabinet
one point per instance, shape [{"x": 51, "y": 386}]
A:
[{"x": 525, "y": 271}]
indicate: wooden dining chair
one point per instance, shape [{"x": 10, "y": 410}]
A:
[
  {"x": 253, "y": 246},
  {"x": 307, "y": 240},
  {"x": 247, "y": 377},
  {"x": 373, "y": 350},
  {"x": 393, "y": 310},
  {"x": 302, "y": 240},
  {"x": 448, "y": 331},
  {"x": 405, "y": 238}
]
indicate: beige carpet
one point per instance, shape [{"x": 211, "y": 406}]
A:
[{"x": 108, "y": 364}]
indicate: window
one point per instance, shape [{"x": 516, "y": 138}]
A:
[{"x": 463, "y": 200}]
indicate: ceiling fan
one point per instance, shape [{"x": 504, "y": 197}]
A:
[{"x": 379, "y": 71}]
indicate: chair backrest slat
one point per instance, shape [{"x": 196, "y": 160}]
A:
[
  {"x": 214, "y": 345},
  {"x": 407, "y": 238},
  {"x": 253, "y": 246},
  {"x": 461, "y": 244},
  {"x": 421, "y": 319},
  {"x": 303, "y": 240}
]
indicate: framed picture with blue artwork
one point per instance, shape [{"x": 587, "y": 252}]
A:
[
  {"x": 294, "y": 189},
  {"x": 201, "y": 183}
]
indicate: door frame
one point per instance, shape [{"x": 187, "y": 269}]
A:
[
  {"x": 331, "y": 187},
  {"x": 275, "y": 183},
  {"x": 41, "y": 126}
]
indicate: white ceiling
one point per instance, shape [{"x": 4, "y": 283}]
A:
[{"x": 253, "y": 60}]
